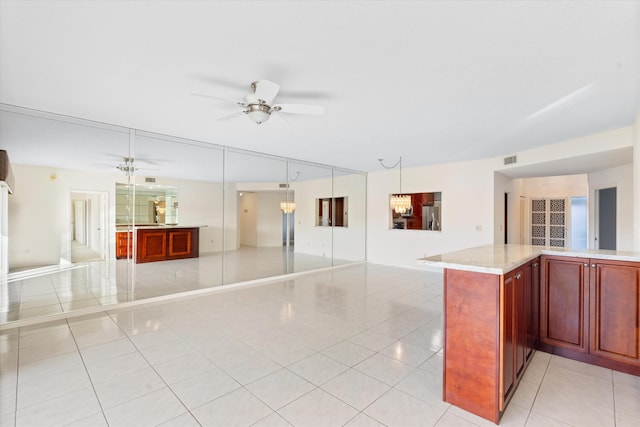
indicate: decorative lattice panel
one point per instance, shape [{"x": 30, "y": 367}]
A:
[
  {"x": 539, "y": 205},
  {"x": 538, "y": 218},
  {"x": 548, "y": 222},
  {"x": 556, "y": 218},
  {"x": 556, "y": 205}
]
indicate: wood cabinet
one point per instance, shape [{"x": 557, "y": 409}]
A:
[
  {"x": 124, "y": 244},
  {"x": 585, "y": 309},
  {"x": 159, "y": 244},
  {"x": 489, "y": 327},
  {"x": 590, "y": 311}
]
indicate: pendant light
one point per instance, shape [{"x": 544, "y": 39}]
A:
[{"x": 400, "y": 203}]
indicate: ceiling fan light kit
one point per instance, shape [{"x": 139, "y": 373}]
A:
[{"x": 258, "y": 113}]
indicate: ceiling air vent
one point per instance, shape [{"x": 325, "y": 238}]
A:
[
  {"x": 510, "y": 160},
  {"x": 149, "y": 179}
]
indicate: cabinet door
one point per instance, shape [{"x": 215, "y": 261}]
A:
[
  {"x": 522, "y": 279},
  {"x": 615, "y": 308},
  {"x": 509, "y": 335},
  {"x": 532, "y": 306},
  {"x": 152, "y": 245},
  {"x": 564, "y": 298},
  {"x": 182, "y": 243}
]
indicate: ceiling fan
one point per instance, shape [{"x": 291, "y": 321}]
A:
[{"x": 259, "y": 105}]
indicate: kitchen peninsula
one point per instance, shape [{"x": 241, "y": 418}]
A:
[
  {"x": 502, "y": 302},
  {"x": 158, "y": 243}
]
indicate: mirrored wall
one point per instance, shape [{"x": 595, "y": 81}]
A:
[{"x": 103, "y": 215}]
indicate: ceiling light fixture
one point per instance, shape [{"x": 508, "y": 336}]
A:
[{"x": 400, "y": 203}]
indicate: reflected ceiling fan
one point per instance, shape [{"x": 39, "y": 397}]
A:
[
  {"x": 129, "y": 167},
  {"x": 259, "y": 104}
]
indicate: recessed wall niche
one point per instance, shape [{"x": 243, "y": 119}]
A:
[{"x": 424, "y": 213}]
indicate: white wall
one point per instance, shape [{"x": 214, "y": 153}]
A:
[
  {"x": 620, "y": 177},
  {"x": 247, "y": 218},
  {"x": 269, "y": 220},
  {"x": 467, "y": 211}
]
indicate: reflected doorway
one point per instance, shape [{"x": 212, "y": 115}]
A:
[
  {"x": 88, "y": 226},
  {"x": 288, "y": 222}
]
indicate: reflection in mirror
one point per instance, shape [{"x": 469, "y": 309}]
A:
[
  {"x": 332, "y": 211},
  {"x": 313, "y": 245},
  {"x": 85, "y": 255},
  {"x": 152, "y": 205},
  {"x": 349, "y": 240},
  {"x": 424, "y": 212},
  {"x": 256, "y": 184}
]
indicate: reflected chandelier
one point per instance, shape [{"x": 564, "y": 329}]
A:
[
  {"x": 287, "y": 207},
  {"x": 400, "y": 203}
]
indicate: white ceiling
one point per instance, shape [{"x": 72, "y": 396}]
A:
[{"x": 431, "y": 81}]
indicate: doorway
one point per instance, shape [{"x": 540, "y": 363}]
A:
[
  {"x": 88, "y": 226},
  {"x": 605, "y": 221}
]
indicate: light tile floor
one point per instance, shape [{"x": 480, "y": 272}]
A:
[{"x": 355, "y": 346}]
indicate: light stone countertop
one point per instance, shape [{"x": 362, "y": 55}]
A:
[{"x": 500, "y": 259}]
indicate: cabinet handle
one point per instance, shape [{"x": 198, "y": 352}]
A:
[
  {"x": 593, "y": 266},
  {"x": 535, "y": 264},
  {"x": 518, "y": 276},
  {"x": 586, "y": 265}
]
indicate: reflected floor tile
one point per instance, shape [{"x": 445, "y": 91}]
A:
[
  {"x": 280, "y": 388},
  {"x": 123, "y": 388},
  {"x": 396, "y": 408},
  {"x": 234, "y": 409},
  {"x": 206, "y": 387},
  {"x": 389, "y": 371},
  {"x": 348, "y": 353},
  {"x": 318, "y": 368},
  {"x": 148, "y": 410},
  {"x": 61, "y": 410},
  {"x": 356, "y": 389},
  {"x": 318, "y": 408}
]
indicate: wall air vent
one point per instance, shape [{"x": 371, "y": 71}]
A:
[
  {"x": 149, "y": 179},
  {"x": 284, "y": 185},
  {"x": 510, "y": 160}
]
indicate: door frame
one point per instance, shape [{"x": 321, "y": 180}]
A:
[{"x": 100, "y": 212}]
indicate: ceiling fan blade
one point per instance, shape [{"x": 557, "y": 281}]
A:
[
  {"x": 306, "y": 95},
  {"x": 230, "y": 116},
  {"x": 299, "y": 108},
  {"x": 266, "y": 90},
  {"x": 240, "y": 103}
]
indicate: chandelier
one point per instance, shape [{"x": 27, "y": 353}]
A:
[
  {"x": 400, "y": 203},
  {"x": 287, "y": 207}
]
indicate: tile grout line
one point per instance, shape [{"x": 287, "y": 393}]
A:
[{"x": 87, "y": 371}]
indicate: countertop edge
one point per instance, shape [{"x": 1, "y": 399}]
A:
[{"x": 535, "y": 252}]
